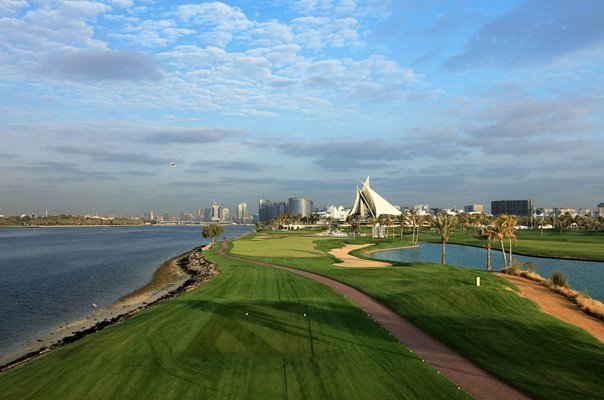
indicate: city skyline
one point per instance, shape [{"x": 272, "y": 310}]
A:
[{"x": 120, "y": 106}]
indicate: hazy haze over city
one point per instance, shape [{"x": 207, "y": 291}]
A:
[{"x": 440, "y": 102}]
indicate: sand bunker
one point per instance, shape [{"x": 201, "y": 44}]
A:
[
  {"x": 352, "y": 261},
  {"x": 557, "y": 305}
]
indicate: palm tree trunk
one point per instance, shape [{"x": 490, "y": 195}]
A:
[
  {"x": 443, "y": 251},
  {"x": 510, "y": 240},
  {"x": 505, "y": 261},
  {"x": 488, "y": 255}
]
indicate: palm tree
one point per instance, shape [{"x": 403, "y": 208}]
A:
[
  {"x": 444, "y": 223},
  {"x": 499, "y": 230},
  {"x": 402, "y": 219},
  {"x": 414, "y": 218},
  {"x": 510, "y": 222},
  {"x": 487, "y": 234}
]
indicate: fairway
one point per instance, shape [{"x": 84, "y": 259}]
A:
[
  {"x": 243, "y": 335},
  {"x": 493, "y": 326},
  {"x": 278, "y": 246}
]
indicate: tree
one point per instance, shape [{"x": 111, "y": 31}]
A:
[
  {"x": 212, "y": 230},
  {"x": 510, "y": 222},
  {"x": 444, "y": 223},
  {"x": 487, "y": 234},
  {"x": 499, "y": 230}
]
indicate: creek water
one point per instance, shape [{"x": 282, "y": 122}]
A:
[
  {"x": 582, "y": 275},
  {"x": 50, "y": 276}
]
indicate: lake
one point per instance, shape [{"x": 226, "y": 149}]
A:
[
  {"x": 50, "y": 276},
  {"x": 582, "y": 275}
]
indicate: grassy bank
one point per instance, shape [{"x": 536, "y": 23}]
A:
[
  {"x": 492, "y": 325},
  {"x": 243, "y": 335}
]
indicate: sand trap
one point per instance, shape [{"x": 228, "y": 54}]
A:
[
  {"x": 557, "y": 305},
  {"x": 352, "y": 261}
]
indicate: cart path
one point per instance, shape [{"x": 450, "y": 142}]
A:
[{"x": 475, "y": 381}]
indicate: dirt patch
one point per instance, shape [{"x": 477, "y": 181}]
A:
[
  {"x": 349, "y": 260},
  {"x": 557, "y": 305}
]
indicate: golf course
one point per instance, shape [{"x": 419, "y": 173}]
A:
[{"x": 256, "y": 332}]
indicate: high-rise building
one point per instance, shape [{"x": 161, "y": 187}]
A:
[
  {"x": 207, "y": 214},
  {"x": 513, "y": 207},
  {"x": 225, "y": 214},
  {"x": 149, "y": 216},
  {"x": 474, "y": 208},
  {"x": 241, "y": 211},
  {"x": 268, "y": 210},
  {"x": 299, "y": 206},
  {"x": 601, "y": 210},
  {"x": 215, "y": 211}
]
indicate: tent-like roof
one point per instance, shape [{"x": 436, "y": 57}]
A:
[{"x": 368, "y": 201}]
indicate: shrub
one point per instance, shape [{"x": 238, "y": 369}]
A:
[{"x": 558, "y": 279}]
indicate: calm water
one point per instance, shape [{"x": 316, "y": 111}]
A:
[
  {"x": 582, "y": 274},
  {"x": 49, "y": 276}
]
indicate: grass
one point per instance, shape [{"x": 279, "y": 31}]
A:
[
  {"x": 203, "y": 345},
  {"x": 278, "y": 245},
  {"x": 493, "y": 326}
]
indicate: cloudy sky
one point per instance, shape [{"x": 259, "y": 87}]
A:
[{"x": 441, "y": 102}]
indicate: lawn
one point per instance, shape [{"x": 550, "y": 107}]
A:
[
  {"x": 492, "y": 325},
  {"x": 250, "y": 333}
]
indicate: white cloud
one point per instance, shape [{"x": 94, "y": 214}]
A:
[{"x": 122, "y": 3}]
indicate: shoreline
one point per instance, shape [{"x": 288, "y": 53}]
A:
[{"x": 178, "y": 275}]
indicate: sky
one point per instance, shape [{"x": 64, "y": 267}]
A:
[{"x": 444, "y": 103}]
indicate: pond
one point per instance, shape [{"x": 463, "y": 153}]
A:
[{"x": 582, "y": 275}]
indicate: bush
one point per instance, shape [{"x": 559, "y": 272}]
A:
[{"x": 558, "y": 279}]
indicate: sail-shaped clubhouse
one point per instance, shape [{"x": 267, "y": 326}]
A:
[{"x": 368, "y": 203}]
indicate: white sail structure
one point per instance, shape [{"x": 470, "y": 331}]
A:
[{"x": 369, "y": 203}]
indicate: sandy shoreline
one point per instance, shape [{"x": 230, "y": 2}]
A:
[{"x": 176, "y": 276}]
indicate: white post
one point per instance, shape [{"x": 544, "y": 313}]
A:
[{"x": 478, "y": 281}]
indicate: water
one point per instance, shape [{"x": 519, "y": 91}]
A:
[
  {"x": 50, "y": 276},
  {"x": 582, "y": 274}
]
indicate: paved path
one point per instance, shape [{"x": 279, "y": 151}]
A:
[{"x": 474, "y": 380}]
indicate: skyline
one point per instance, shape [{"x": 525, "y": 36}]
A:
[{"x": 444, "y": 103}]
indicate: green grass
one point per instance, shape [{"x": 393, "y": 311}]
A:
[
  {"x": 278, "y": 245},
  {"x": 491, "y": 324},
  {"x": 202, "y": 345}
]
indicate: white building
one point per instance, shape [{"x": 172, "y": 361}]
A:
[{"x": 370, "y": 204}]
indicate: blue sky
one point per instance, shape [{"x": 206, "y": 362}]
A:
[{"x": 441, "y": 102}]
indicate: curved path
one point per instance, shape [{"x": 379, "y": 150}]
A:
[{"x": 474, "y": 380}]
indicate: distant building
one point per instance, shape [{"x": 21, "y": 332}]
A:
[
  {"x": 474, "y": 208},
  {"x": 225, "y": 214},
  {"x": 513, "y": 207},
  {"x": 215, "y": 211},
  {"x": 601, "y": 210},
  {"x": 200, "y": 214},
  {"x": 241, "y": 211},
  {"x": 338, "y": 213},
  {"x": 299, "y": 206},
  {"x": 149, "y": 216},
  {"x": 584, "y": 212},
  {"x": 186, "y": 216},
  {"x": 268, "y": 210},
  {"x": 207, "y": 214}
]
